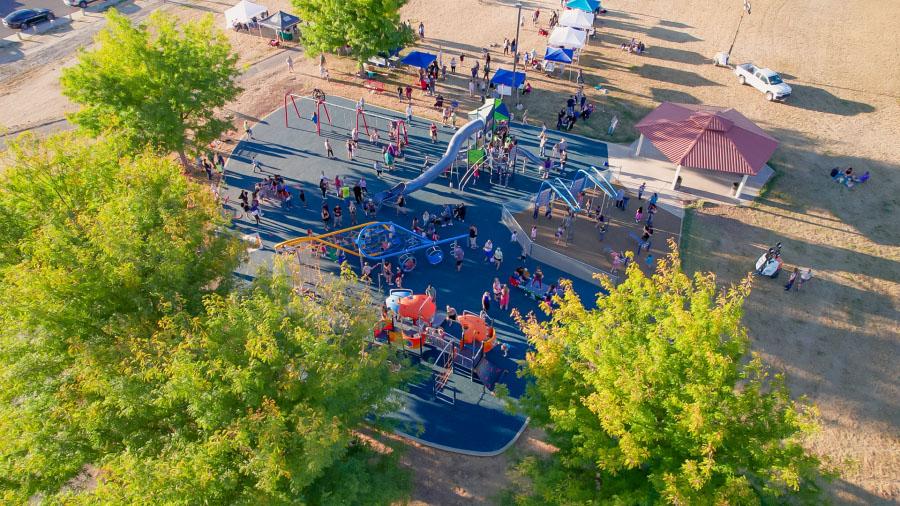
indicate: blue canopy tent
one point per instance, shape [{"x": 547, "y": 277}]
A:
[
  {"x": 558, "y": 54},
  {"x": 584, "y": 5},
  {"x": 419, "y": 59},
  {"x": 508, "y": 78}
]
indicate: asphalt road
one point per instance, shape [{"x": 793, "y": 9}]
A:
[{"x": 7, "y": 6}]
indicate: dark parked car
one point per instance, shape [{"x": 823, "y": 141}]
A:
[
  {"x": 24, "y": 18},
  {"x": 79, "y": 3}
]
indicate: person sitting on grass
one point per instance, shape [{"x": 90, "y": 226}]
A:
[
  {"x": 587, "y": 111},
  {"x": 527, "y": 89}
]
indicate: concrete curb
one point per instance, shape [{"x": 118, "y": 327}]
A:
[{"x": 471, "y": 453}]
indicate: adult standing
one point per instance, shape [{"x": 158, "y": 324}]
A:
[
  {"x": 486, "y": 301},
  {"x": 473, "y": 237},
  {"x": 458, "y": 255},
  {"x": 431, "y": 292},
  {"x": 620, "y": 197},
  {"x": 421, "y": 30},
  {"x": 498, "y": 257},
  {"x": 488, "y": 251}
]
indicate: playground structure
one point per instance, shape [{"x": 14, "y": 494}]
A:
[
  {"x": 353, "y": 118},
  {"x": 567, "y": 190},
  {"x": 375, "y": 240},
  {"x": 474, "y": 127},
  {"x": 457, "y": 344}
]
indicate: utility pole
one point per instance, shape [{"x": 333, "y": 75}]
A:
[
  {"x": 747, "y": 10},
  {"x": 516, "y": 52}
]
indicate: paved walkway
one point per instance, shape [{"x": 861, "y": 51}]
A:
[{"x": 658, "y": 172}]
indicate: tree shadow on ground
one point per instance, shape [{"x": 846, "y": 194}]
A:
[
  {"x": 669, "y": 95},
  {"x": 658, "y": 32},
  {"x": 676, "y": 55},
  {"x": 674, "y": 76},
  {"x": 674, "y": 24},
  {"x": 807, "y": 340},
  {"x": 11, "y": 52},
  {"x": 805, "y": 185},
  {"x": 819, "y": 99}
]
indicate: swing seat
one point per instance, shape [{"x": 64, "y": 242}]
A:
[
  {"x": 407, "y": 262},
  {"x": 434, "y": 255}
]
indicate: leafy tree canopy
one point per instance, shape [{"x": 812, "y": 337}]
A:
[
  {"x": 651, "y": 399},
  {"x": 367, "y": 27},
  {"x": 125, "y": 349},
  {"x": 153, "y": 83}
]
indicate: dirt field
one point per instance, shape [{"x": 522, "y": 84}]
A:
[{"x": 837, "y": 339}]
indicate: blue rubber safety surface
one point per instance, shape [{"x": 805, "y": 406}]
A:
[{"x": 477, "y": 422}]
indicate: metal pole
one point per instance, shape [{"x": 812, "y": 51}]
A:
[{"x": 516, "y": 52}]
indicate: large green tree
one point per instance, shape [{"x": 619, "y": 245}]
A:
[
  {"x": 652, "y": 398},
  {"x": 125, "y": 348},
  {"x": 154, "y": 84},
  {"x": 367, "y": 27}
]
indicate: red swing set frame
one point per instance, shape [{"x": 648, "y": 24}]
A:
[{"x": 322, "y": 106}]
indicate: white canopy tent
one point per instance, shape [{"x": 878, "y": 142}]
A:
[
  {"x": 568, "y": 38},
  {"x": 244, "y": 12},
  {"x": 575, "y": 18}
]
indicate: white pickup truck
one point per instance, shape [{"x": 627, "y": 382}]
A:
[{"x": 764, "y": 80}]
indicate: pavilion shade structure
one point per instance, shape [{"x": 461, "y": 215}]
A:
[{"x": 706, "y": 137}]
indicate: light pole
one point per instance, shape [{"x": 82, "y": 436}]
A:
[
  {"x": 516, "y": 52},
  {"x": 738, "y": 29}
]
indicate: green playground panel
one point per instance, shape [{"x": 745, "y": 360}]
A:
[{"x": 475, "y": 155}]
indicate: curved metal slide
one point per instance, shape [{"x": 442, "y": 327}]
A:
[{"x": 432, "y": 173}]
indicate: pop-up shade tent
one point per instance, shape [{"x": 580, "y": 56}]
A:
[
  {"x": 283, "y": 24},
  {"x": 583, "y": 5},
  {"x": 576, "y": 18},
  {"x": 567, "y": 37},
  {"x": 508, "y": 78},
  {"x": 559, "y": 55},
  {"x": 281, "y": 21},
  {"x": 244, "y": 12},
  {"x": 419, "y": 59}
]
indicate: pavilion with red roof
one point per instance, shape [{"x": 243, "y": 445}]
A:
[{"x": 709, "y": 138}]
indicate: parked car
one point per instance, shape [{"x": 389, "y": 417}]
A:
[
  {"x": 764, "y": 80},
  {"x": 79, "y": 3},
  {"x": 24, "y": 18}
]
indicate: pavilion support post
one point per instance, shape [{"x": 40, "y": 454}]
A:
[
  {"x": 637, "y": 152},
  {"x": 740, "y": 188},
  {"x": 677, "y": 176}
]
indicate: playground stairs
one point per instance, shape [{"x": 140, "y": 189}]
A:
[{"x": 444, "y": 374}]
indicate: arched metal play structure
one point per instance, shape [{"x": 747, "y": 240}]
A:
[{"x": 566, "y": 190}]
